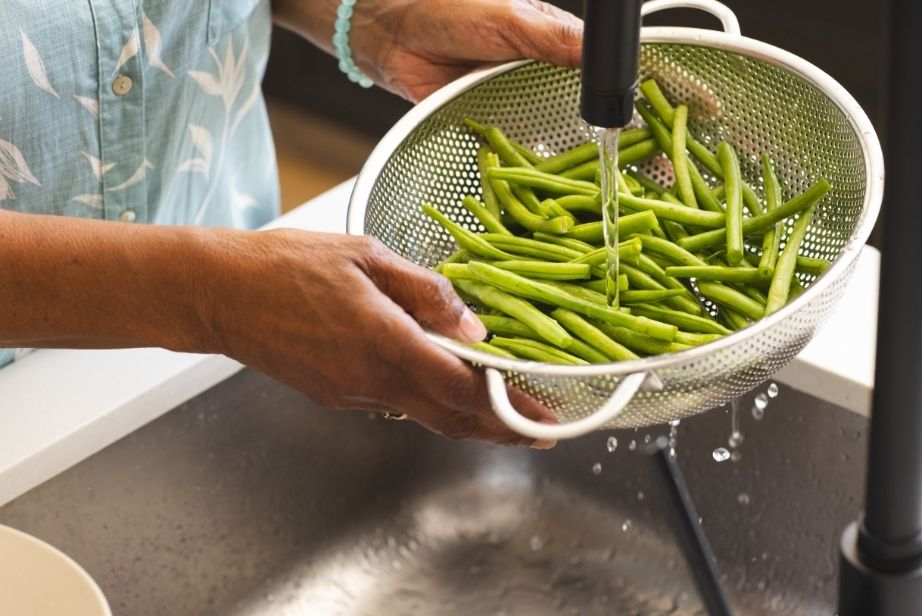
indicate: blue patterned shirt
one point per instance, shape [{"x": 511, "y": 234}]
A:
[{"x": 145, "y": 111}]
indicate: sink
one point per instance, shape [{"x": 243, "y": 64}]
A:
[{"x": 252, "y": 499}]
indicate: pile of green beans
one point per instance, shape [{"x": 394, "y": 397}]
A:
[{"x": 697, "y": 260}]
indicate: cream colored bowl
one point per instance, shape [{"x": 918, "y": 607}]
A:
[{"x": 39, "y": 580}]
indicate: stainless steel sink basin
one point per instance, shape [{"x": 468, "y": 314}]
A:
[{"x": 250, "y": 499}]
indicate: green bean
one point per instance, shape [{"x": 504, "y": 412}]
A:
[
  {"x": 545, "y": 270},
  {"x": 581, "y": 203},
  {"x": 752, "y": 293},
  {"x": 687, "y": 322},
  {"x": 663, "y": 107},
  {"x": 725, "y": 296},
  {"x": 718, "y": 273},
  {"x": 647, "y": 182},
  {"x": 639, "y": 342},
  {"x": 719, "y": 193},
  {"x": 528, "y": 198},
  {"x": 734, "y": 319},
  {"x": 648, "y": 295},
  {"x": 638, "y": 152},
  {"x": 686, "y": 302},
  {"x": 489, "y": 348},
  {"x": 586, "y": 171},
  {"x": 592, "y": 335},
  {"x": 590, "y": 295},
  {"x": 499, "y": 142},
  {"x": 536, "y": 351},
  {"x": 599, "y": 285},
  {"x": 669, "y": 250},
  {"x": 466, "y": 239},
  {"x": 459, "y": 256},
  {"x": 501, "y": 325},
  {"x": 591, "y": 232},
  {"x": 526, "y": 152},
  {"x": 696, "y": 339},
  {"x": 548, "y": 294},
  {"x": 489, "y": 197},
  {"x": 734, "y": 231},
  {"x": 643, "y": 281},
  {"x": 784, "y": 269},
  {"x": 628, "y": 250},
  {"x": 524, "y": 216},
  {"x": 586, "y": 351},
  {"x": 566, "y": 242},
  {"x": 569, "y": 159},
  {"x": 761, "y": 222},
  {"x": 457, "y": 271},
  {"x": 669, "y": 211},
  {"x": 527, "y": 247},
  {"x": 533, "y": 178},
  {"x": 771, "y": 241},
  {"x": 546, "y": 327},
  {"x": 481, "y": 213},
  {"x": 674, "y": 231},
  {"x": 552, "y": 209},
  {"x": 796, "y": 288},
  {"x": 680, "y": 158},
  {"x": 811, "y": 265},
  {"x": 630, "y": 136}
]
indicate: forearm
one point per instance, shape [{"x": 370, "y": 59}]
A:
[{"x": 75, "y": 283}]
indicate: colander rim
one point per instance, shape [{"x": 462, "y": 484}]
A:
[{"x": 838, "y": 95}]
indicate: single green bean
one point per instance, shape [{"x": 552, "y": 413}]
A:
[
  {"x": 585, "y": 172},
  {"x": 771, "y": 241},
  {"x": 784, "y": 269},
  {"x": 669, "y": 211},
  {"x": 459, "y": 256},
  {"x": 734, "y": 319},
  {"x": 545, "y": 270},
  {"x": 680, "y": 158},
  {"x": 548, "y": 294},
  {"x": 525, "y": 217},
  {"x": 638, "y": 152},
  {"x": 545, "y": 181},
  {"x": 502, "y": 325},
  {"x": 528, "y": 247},
  {"x": 669, "y": 250},
  {"x": 553, "y": 209},
  {"x": 796, "y": 288},
  {"x": 571, "y": 158},
  {"x": 811, "y": 265},
  {"x": 489, "y": 197},
  {"x": 486, "y": 218},
  {"x": 592, "y": 335},
  {"x": 630, "y": 136},
  {"x": 695, "y": 339},
  {"x": 528, "y": 198},
  {"x": 546, "y": 327},
  {"x": 731, "y": 167},
  {"x": 718, "y": 273},
  {"x": 500, "y": 142},
  {"x": 457, "y": 271},
  {"x": 647, "y": 182},
  {"x": 687, "y": 301},
  {"x": 579, "y": 290},
  {"x": 628, "y": 250},
  {"x": 810, "y": 197},
  {"x": 599, "y": 285},
  {"x": 466, "y": 239},
  {"x": 536, "y": 351},
  {"x": 687, "y": 322},
  {"x": 526, "y": 152},
  {"x": 725, "y": 296},
  {"x": 491, "y": 349},
  {"x": 566, "y": 242},
  {"x": 644, "y": 296},
  {"x": 580, "y": 203}
]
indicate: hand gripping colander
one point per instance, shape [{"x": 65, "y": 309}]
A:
[{"x": 753, "y": 95}]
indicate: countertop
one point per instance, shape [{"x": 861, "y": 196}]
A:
[{"x": 58, "y": 407}]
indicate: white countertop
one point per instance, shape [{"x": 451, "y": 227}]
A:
[{"x": 58, "y": 407}]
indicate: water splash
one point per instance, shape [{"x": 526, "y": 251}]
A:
[
  {"x": 721, "y": 454},
  {"x": 597, "y": 469},
  {"x": 611, "y": 444}
]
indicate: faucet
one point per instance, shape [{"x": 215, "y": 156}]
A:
[{"x": 611, "y": 45}]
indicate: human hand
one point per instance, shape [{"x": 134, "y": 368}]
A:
[{"x": 337, "y": 317}]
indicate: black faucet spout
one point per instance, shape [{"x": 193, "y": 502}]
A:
[{"x": 611, "y": 46}]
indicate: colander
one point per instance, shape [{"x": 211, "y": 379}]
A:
[{"x": 755, "y": 96}]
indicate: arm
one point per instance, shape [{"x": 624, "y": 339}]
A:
[
  {"x": 333, "y": 316},
  {"x": 413, "y": 47}
]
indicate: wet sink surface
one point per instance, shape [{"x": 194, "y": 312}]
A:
[{"x": 250, "y": 499}]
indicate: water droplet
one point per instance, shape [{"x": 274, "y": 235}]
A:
[
  {"x": 721, "y": 454},
  {"x": 640, "y": 496},
  {"x": 757, "y": 413},
  {"x": 535, "y": 543},
  {"x": 742, "y": 498},
  {"x": 772, "y": 390},
  {"x": 736, "y": 456},
  {"x": 735, "y": 440},
  {"x": 632, "y": 445},
  {"x": 626, "y": 526},
  {"x": 596, "y": 469},
  {"x": 647, "y": 439},
  {"x": 761, "y": 401},
  {"x": 611, "y": 444}
]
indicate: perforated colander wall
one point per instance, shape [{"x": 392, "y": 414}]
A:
[{"x": 756, "y": 106}]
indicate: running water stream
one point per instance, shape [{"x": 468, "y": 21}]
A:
[{"x": 608, "y": 170}]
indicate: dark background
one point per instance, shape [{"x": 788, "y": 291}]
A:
[{"x": 847, "y": 39}]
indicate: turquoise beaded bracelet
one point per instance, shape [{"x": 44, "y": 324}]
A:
[{"x": 341, "y": 44}]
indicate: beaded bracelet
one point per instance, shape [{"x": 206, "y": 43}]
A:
[{"x": 341, "y": 44}]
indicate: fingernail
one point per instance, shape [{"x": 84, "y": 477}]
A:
[
  {"x": 541, "y": 444},
  {"x": 472, "y": 330}
]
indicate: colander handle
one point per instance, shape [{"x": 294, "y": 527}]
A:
[
  {"x": 620, "y": 398},
  {"x": 720, "y": 11}
]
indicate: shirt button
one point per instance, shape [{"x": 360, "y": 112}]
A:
[
  {"x": 122, "y": 85},
  {"x": 127, "y": 216}
]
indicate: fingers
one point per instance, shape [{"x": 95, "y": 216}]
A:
[
  {"x": 548, "y": 34},
  {"x": 427, "y": 296}
]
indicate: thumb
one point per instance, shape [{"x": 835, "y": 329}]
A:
[
  {"x": 547, "y": 33},
  {"x": 428, "y": 297}
]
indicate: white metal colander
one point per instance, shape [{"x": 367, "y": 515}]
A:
[{"x": 755, "y": 96}]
